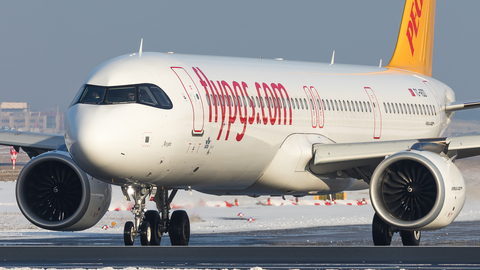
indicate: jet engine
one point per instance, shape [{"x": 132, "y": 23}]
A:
[
  {"x": 55, "y": 194},
  {"x": 417, "y": 190}
]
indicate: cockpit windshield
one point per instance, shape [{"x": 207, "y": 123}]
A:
[
  {"x": 120, "y": 94},
  {"x": 147, "y": 94}
]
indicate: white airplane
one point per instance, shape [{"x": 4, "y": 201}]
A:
[{"x": 154, "y": 123}]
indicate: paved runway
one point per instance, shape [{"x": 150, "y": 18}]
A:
[
  {"x": 242, "y": 257},
  {"x": 456, "y": 234},
  {"x": 339, "y": 247}
]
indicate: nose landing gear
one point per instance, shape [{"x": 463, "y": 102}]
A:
[{"x": 150, "y": 225}]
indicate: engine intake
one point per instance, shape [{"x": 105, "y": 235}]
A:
[
  {"x": 417, "y": 190},
  {"x": 55, "y": 194}
]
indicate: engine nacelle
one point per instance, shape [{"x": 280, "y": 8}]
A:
[
  {"x": 417, "y": 190},
  {"x": 55, "y": 194}
]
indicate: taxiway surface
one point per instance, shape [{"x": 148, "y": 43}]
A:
[{"x": 338, "y": 247}]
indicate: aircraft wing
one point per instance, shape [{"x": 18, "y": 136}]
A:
[
  {"x": 458, "y": 106},
  {"x": 32, "y": 143},
  {"x": 329, "y": 158},
  {"x": 464, "y": 146}
]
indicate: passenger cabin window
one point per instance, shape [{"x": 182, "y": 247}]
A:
[{"x": 146, "y": 94}]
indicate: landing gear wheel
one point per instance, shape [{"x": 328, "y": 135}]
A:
[
  {"x": 410, "y": 238},
  {"x": 153, "y": 218},
  {"x": 128, "y": 233},
  {"x": 145, "y": 233},
  {"x": 382, "y": 232},
  {"x": 179, "y": 229}
]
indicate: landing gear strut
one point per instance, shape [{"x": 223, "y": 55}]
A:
[
  {"x": 150, "y": 225},
  {"x": 382, "y": 234}
]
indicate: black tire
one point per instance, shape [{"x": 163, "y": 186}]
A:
[
  {"x": 411, "y": 238},
  {"x": 128, "y": 235},
  {"x": 153, "y": 218},
  {"x": 381, "y": 232},
  {"x": 179, "y": 229},
  {"x": 145, "y": 233}
]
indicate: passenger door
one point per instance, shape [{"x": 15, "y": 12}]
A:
[
  {"x": 195, "y": 99},
  {"x": 377, "y": 115}
]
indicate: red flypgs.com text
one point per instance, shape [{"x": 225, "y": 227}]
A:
[
  {"x": 414, "y": 22},
  {"x": 272, "y": 96}
]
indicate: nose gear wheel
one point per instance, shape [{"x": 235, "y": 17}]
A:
[
  {"x": 151, "y": 225},
  {"x": 153, "y": 218},
  {"x": 129, "y": 233},
  {"x": 145, "y": 233}
]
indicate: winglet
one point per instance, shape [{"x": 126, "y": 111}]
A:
[
  {"x": 415, "y": 39},
  {"x": 141, "y": 48}
]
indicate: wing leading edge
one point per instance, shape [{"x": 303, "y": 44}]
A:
[
  {"x": 329, "y": 158},
  {"x": 32, "y": 143}
]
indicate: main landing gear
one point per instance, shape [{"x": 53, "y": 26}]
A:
[
  {"x": 151, "y": 225},
  {"x": 382, "y": 234}
]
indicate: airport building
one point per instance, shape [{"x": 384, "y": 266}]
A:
[{"x": 17, "y": 116}]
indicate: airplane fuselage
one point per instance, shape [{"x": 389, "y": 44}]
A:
[{"x": 230, "y": 117}]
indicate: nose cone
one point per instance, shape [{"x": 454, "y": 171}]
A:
[{"x": 97, "y": 137}]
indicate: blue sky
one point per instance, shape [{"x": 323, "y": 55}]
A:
[{"x": 48, "y": 48}]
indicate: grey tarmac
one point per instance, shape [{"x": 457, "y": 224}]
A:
[
  {"x": 240, "y": 256},
  {"x": 333, "y": 247}
]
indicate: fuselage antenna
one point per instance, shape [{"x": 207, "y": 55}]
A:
[
  {"x": 333, "y": 58},
  {"x": 141, "y": 48}
]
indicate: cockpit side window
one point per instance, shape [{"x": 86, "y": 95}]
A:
[
  {"x": 92, "y": 94},
  {"x": 162, "y": 98},
  {"x": 144, "y": 96},
  {"x": 147, "y": 94}
]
